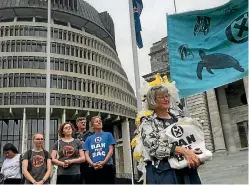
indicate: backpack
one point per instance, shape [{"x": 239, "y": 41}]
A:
[{"x": 29, "y": 152}]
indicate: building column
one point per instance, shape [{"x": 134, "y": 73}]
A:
[
  {"x": 245, "y": 80},
  {"x": 86, "y": 86},
  {"x": 226, "y": 120},
  {"x": 64, "y": 118},
  {"x": 218, "y": 137},
  {"x": 24, "y": 132},
  {"x": 128, "y": 168},
  {"x": 117, "y": 154}
]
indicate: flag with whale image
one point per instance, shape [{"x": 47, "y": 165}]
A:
[{"x": 208, "y": 48}]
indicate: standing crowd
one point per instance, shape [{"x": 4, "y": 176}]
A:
[{"x": 78, "y": 157}]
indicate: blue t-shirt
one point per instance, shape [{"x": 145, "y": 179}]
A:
[{"x": 98, "y": 146}]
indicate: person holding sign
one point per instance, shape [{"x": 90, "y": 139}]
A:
[
  {"x": 156, "y": 150},
  {"x": 98, "y": 151}
]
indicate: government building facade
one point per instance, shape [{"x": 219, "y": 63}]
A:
[
  {"x": 224, "y": 109},
  {"x": 87, "y": 78}
]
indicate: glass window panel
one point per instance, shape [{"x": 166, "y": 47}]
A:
[
  {"x": 80, "y": 66},
  {"x": 31, "y": 31},
  {"x": 35, "y": 101},
  {"x": 37, "y": 32},
  {"x": 63, "y": 50},
  {"x": 26, "y": 31},
  {"x": 38, "y": 81},
  {"x": 19, "y": 62},
  {"x": 10, "y": 63},
  {"x": 42, "y": 64},
  {"x": 66, "y": 66},
  {"x": 75, "y": 84},
  {"x": 5, "y": 64},
  {"x": 53, "y": 48},
  {"x": 38, "y": 47},
  {"x": 64, "y": 83},
  {"x": 5, "y": 81},
  {"x": 13, "y": 47},
  {"x": 52, "y": 99},
  {"x": 58, "y": 51},
  {"x": 60, "y": 34},
  {"x": 54, "y": 82},
  {"x": 34, "y": 126},
  {"x": 56, "y": 34},
  {"x": 43, "y": 49},
  {"x": 11, "y": 80},
  {"x": 18, "y": 100},
  {"x": 41, "y": 126},
  {"x": 11, "y": 127},
  {"x": 43, "y": 82},
  {"x": 57, "y": 100},
  {"x": 61, "y": 65},
  {"x": 27, "y": 80},
  {"x": 68, "y": 51},
  {"x": 59, "y": 82},
  {"x": 25, "y": 63},
  {"x": 79, "y": 85},
  {"x": 56, "y": 65},
  {"x": 70, "y": 83},
  {"x": 76, "y": 67},
  {"x": 33, "y": 81},
  {"x": 68, "y": 100},
  {"x": 30, "y": 100},
  {"x": 52, "y": 64},
  {"x": 71, "y": 66},
  {"x": 29, "y": 47},
  {"x": 24, "y": 99},
  {"x": 72, "y": 51}
]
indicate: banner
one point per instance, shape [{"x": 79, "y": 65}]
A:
[{"x": 208, "y": 48}]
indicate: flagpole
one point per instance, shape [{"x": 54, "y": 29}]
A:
[
  {"x": 136, "y": 74},
  {"x": 135, "y": 56},
  {"x": 175, "y": 5},
  {"x": 47, "y": 123}
]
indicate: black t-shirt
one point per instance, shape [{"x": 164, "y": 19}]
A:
[{"x": 82, "y": 136}]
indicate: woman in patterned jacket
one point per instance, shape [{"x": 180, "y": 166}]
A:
[{"x": 158, "y": 170}]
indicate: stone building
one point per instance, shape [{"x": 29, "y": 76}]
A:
[
  {"x": 87, "y": 77},
  {"x": 224, "y": 109}
]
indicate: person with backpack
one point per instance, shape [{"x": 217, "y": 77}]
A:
[
  {"x": 11, "y": 165},
  {"x": 82, "y": 135},
  {"x": 36, "y": 164},
  {"x": 68, "y": 154}
]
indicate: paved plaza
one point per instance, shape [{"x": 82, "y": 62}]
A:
[{"x": 226, "y": 169}]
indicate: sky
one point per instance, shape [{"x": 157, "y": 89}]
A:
[{"x": 153, "y": 20}]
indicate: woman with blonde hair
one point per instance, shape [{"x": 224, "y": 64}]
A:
[
  {"x": 99, "y": 150},
  {"x": 68, "y": 154},
  {"x": 36, "y": 164}
]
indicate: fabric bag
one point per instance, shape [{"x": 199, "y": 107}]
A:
[
  {"x": 186, "y": 132},
  {"x": 53, "y": 176}
]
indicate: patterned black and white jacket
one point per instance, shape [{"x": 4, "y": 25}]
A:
[{"x": 155, "y": 145}]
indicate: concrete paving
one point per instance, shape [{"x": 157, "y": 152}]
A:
[{"x": 226, "y": 169}]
